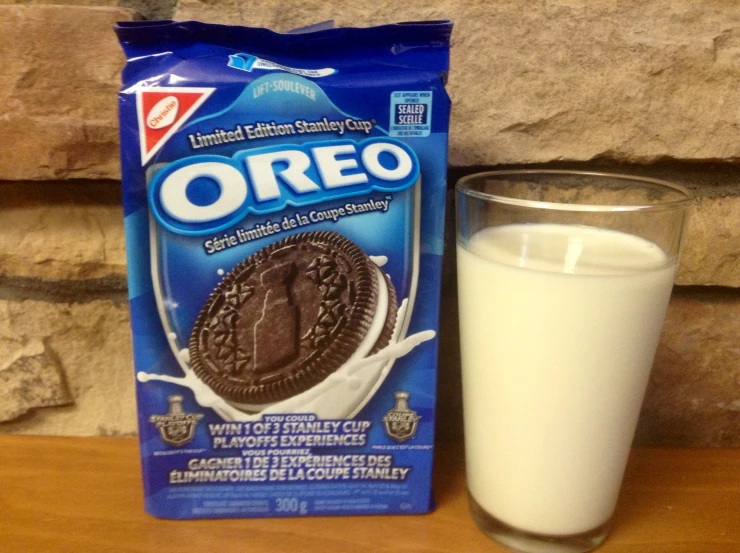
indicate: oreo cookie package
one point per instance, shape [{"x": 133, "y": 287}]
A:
[{"x": 284, "y": 204}]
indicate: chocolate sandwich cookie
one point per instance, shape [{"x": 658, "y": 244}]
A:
[{"x": 290, "y": 315}]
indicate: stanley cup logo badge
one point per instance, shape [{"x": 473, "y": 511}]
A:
[
  {"x": 401, "y": 422},
  {"x": 176, "y": 427}
]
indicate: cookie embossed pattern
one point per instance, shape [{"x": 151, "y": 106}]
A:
[{"x": 284, "y": 244}]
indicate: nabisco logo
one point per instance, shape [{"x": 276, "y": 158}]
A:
[
  {"x": 163, "y": 114},
  {"x": 162, "y": 111}
]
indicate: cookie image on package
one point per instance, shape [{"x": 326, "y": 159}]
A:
[{"x": 290, "y": 315}]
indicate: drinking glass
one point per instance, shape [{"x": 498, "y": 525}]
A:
[{"x": 564, "y": 279}]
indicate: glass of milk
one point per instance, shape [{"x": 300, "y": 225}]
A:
[{"x": 564, "y": 279}]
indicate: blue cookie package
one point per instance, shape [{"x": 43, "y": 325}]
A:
[{"x": 284, "y": 200}]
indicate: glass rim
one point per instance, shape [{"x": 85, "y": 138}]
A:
[{"x": 462, "y": 187}]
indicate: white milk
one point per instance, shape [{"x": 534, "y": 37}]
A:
[{"x": 556, "y": 354}]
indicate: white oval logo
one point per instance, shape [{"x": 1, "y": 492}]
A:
[{"x": 163, "y": 113}]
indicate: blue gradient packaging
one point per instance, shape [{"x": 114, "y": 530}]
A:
[{"x": 284, "y": 206}]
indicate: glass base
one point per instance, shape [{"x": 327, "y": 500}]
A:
[{"x": 529, "y": 542}]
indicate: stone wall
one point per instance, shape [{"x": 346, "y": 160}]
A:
[{"x": 641, "y": 87}]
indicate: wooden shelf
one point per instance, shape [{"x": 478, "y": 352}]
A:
[{"x": 82, "y": 495}]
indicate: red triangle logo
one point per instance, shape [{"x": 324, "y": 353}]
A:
[{"x": 162, "y": 110}]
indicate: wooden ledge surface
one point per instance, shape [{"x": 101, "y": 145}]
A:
[{"x": 81, "y": 495}]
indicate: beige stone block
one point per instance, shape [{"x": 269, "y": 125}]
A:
[
  {"x": 693, "y": 399},
  {"x": 60, "y": 232},
  {"x": 283, "y": 15},
  {"x": 61, "y": 73},
  {"x": 712, "y": 250},
  {"x": 59, "y": 2},
  {"x": 29, "y": 379},
  {"x": 564, "y": 80},
  {"x": 90, "y": 346},
  {"x": 74, "y": 231}
]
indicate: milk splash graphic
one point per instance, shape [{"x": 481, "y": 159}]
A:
[{"x": 341, "y": 395}]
